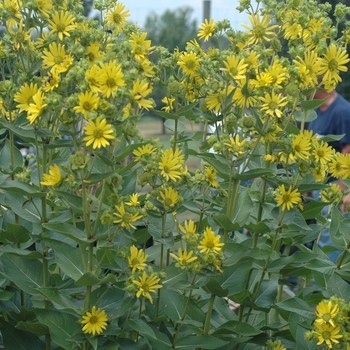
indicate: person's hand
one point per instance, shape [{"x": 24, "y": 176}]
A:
[{"x": 346, "y": 201}]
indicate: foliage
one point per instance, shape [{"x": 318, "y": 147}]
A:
[{"x": 78, "y": 211}]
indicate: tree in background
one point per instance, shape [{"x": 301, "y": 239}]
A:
[{"x": 171, "y": 29}]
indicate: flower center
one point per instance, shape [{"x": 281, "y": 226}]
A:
[
  {"x": 286, "y": 198},
  {"x": 61, "y": 27},
  {"x": 98, "y": 133},
  {"x": 273, "y": 105},
  {"x": 191, "y": 64},
  {"x": 259, "y": 31},
  {"x": 117, "y": 18},
  {"x": 58, "y": 59},
  {"x": 326, "y": 335},
  {"x": 234, "y": 71},
  {"x": 333, "y": 64},
  {"x": 87, "y": 105},
  {"x": 210, "y": 244},
  {"x": 111, "y": 83},
  {"x": 93, "y": 319}
]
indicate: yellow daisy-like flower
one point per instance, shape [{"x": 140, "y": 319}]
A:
[
  {"x": 56, "y": 57},
  {"x": 211, "y": 178},
  {"x": 171, "y": 164},
  {"x": 169, "y": 104},
  {"x": 244, "y": 95},
  {"x": 260, "y": 31},
  {"x": 272, "y": 104},
  {"x": 110, "y": 78},
  {"x": 288, "y": 199},
  {"x": 235, "y": 67},
  {"x": 61, "y": 23},
  {"x": 190, "y": 63},
  {"x": 147, "y": 285},
  {"x": 92, "y": 77},
  {"x": 21, "y": 38},
  {"x": 263, "y": 79},
  {"x": 328, "y": 334},
  {"x": 147, "y": 67},
  {"x": 94, "y": 322},
  {"x": 125, "y": 218},
  {"x": 140, "y": 90},
  {"x": 278, "y": 73},
  {"x": 88, "y": 101},
  {"x": 98, "y": 134},
  {"x": 44, "y": 6},
  {"x": 144, "y": 152},
  {"x": 134, "y": 200},
  {"x": 24, "y": 97},
  {"x": 54, "y": 176},
  {"x": 117, "y": 16},
  {"x": 137, "y": 259},
  {"x": 319, "y": 172},
  {"x": 301, "y": 147},
  {"x": 326, "y": 311},
  {"x": 210, "y": 242},
  {"x": 189, "y": 228},
  {"x": 206, "y": 29},
  {"x": 323, "y": 153},
  {"x": 13, "y": 7},
  {"x": 292, "y": 29},
  {"x": 170, "y": 197},
  {"x": 183, "y": 258},
  {"x": 236, "y": 146},
  {"x": 308, "y": 68},
  {"x": 140, "y": 46},
  {"x": 93, "y": 53},
  {"x": 34, "y": 110},
  {"x": 340, "y": 167},
  {"x": 215, "y": 100},
  {"x": 335, "y": 60},
  {"x": 51, "y": 81}
]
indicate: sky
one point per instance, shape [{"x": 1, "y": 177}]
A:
[{"x": 220, "y": 9}]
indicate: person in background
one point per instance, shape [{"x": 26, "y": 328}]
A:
[{"x": 333, "y": 117}]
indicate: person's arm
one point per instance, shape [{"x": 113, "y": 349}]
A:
[{"x": 346, "y": 199}]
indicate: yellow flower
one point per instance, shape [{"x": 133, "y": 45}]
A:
[
  {"x": 93, "y": 53},
  {"x": 134, "y": 200},
  {"x": 328, "y": 334},
  {"x": 140, "y": 46},
  {"x": 147, "y": 285},
  {"x": 288, "y": 199},
  {"x": 117, "y": 17},
  {"x": 214, "y": 101},
  {"x": 339, "y": 166},
  {"x": 189, "y": 62},
  {"x": 292, "y": 29},
  {"x": 262, "y": 80},
  {"x": 24, "y": 96},
  {"x": 301, "y": 146},
  {"x": 272, "y": 103},
  {"x": 92, "y": 77},
  {"x": 207, "y": 29},
  {"x": 147, "y": 68},
  {"x": 260, "y": 31},
  {"x": 210, "y": 242},
  {"x": 34, "y": 110},
  {"x": 323, "y": 153},
  {"x": 278, "y": 73},
  {"x": 335, "y": 60},
  {"x": 53, "y": 178},
  {"x": 143, "y": 152},
  {"x": 183, "y": 258},
  {"x": 98, "y": 134},
  {"x": 326, "y": 311},
  {"x": 319, "y": 172},
  {"x": 13, "y": 8},
  {"x": 125, "y": 218},
  {"x": 140, "y": 90},
  {"x": 235, "y": 145},
  {"x": 56, "y": 57},
  {"x": 137, "y": 259},
  {"x": 169, "y": 104},
  {"x": 44, "y": 6},
  {"x": 308, "y": 68},
  {"x": 189, "y": 228},
  {"x": 51, "y": 81},
  {"x": 170, "y": 197},
  {"x": 171, "y": 164},
  {"x": 110, "y": 78},
  {"x": 61, "y": 23},
  {"x": 21, "y": 39},
  {"x": 94, "y": 322},
  {"x": 235, "y": 67},
  {"x": 243, "y": 95},
  {"x": 211, "y": 178},
  {"x": 88, "y": 101}
]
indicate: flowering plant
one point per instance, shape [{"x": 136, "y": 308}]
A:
[{"x": 78, "y": 211}]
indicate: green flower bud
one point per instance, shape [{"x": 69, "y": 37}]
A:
[
  {"x": 79, "y": 160},
  {"x": 107, "y": 218}
]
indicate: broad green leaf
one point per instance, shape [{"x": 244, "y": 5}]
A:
[
  {"x": 42, "y": 132},
  {"x": 240, "y": 328},
  {"x": 161, "y": 342},
  {"x": 4, "y": 295},
  {"x": 217, "y": 161},
  {"x": 75, "y": 202},
  {"x": 59, "y": 300},
  {"x": 167, "y": 115},
  {"x": 255, "y": 173},
  {"x": 203, "y": 342},
  {"x": 267, "y": 293},
  {"x": 243, "y": 207},
  {"x": 14, "y": 233},
  {"x": 33, "y": 327},
  {"x": 214, "y": 287},
  {"x": 26, "y": 274},
  {"x": 141, "y": 327},
  {"x": 25, "y": 253},
  {"x": 62, "y": 325},
  {"x": 6, "y": 165},
  {"x": 174, "y": 304},
  {"x": 171, "y": 125},
  {"x": 19, "y": 340},
  {"x": 312, "y": 209},
  {"x": 88, "y": 279},
  {"x": 339, "y": 229},
  {"x": 195, "y": 137},
  {"x": 68, "y": 230},
  {"x": 26, "y": 133},
  {"x": 330, "y": 137},
  {"x": 15, "y": 186},
  {"x": 68, "y": 258},
  {"x": 310, "y": 116},
  {"x": 224, "y": 222},
  {"x": 97, "y": 177},
  {"x": 337, "y": 286},
  {"x": 312, "y": 104},
  {"x": 298, "y": 306}
]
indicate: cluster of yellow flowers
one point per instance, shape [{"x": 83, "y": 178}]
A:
[{"x": 332, "y": 326}]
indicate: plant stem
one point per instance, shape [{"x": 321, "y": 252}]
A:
[{"x": 209, "y": 312}]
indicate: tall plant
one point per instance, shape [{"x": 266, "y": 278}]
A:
[{"x": 78, "y": 209}]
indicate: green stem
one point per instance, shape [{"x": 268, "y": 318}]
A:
[
  {"x": 161, "y": 258},
  {"x": 209, "y": 312},
  {"x": 343, "y": 256}
]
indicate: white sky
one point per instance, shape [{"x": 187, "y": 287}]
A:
[{"x": 220, "y": 9}]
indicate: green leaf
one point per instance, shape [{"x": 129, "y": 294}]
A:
[
  {"x": 68, "y": 258},
  {"x": 26, "y": 274},
  {"x": 214, "y": 287},
  {"x": 255, "y": 173},
  {"x": 26, "y": 133},
  {"x": 14, "y": 233},
  {"x": 337, "y": 286},
  {"x": 224, "y": 222},
  {"x": 200, "y": 341},
  {"x": 33, "y": 327},
  {"x": 216, "y": 160},
  {"x": 19, "y": 340},
  {"x": 241, "y": 328},
  {"x": 312, "y": 209},
  {"x": 297, "y": 306},
  {"x": 88, "y": 279},
  {"x": 171, "y": 125},
  {"x": 142, "y": 327},
  {"x": 25, "y": 253},
  {"x": 59, "y": 300},
  {"x": 174, "y": 304},
  {"x": 330, "y": 137},
  {"x": 312, "y": 104},
  {"x": 62, "y": 325},
  {"x": 22, "y": 187},
  {"x": 68, "y": 230},
  {"x": 75, "y": 202},
  {"x": 243, "y": 207},
  {"x": 310, "y": 116},
  {"x": 6, "y": 165},
  {"x": 167, "y": 115},
  {"x": 267, "y": 294}
]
